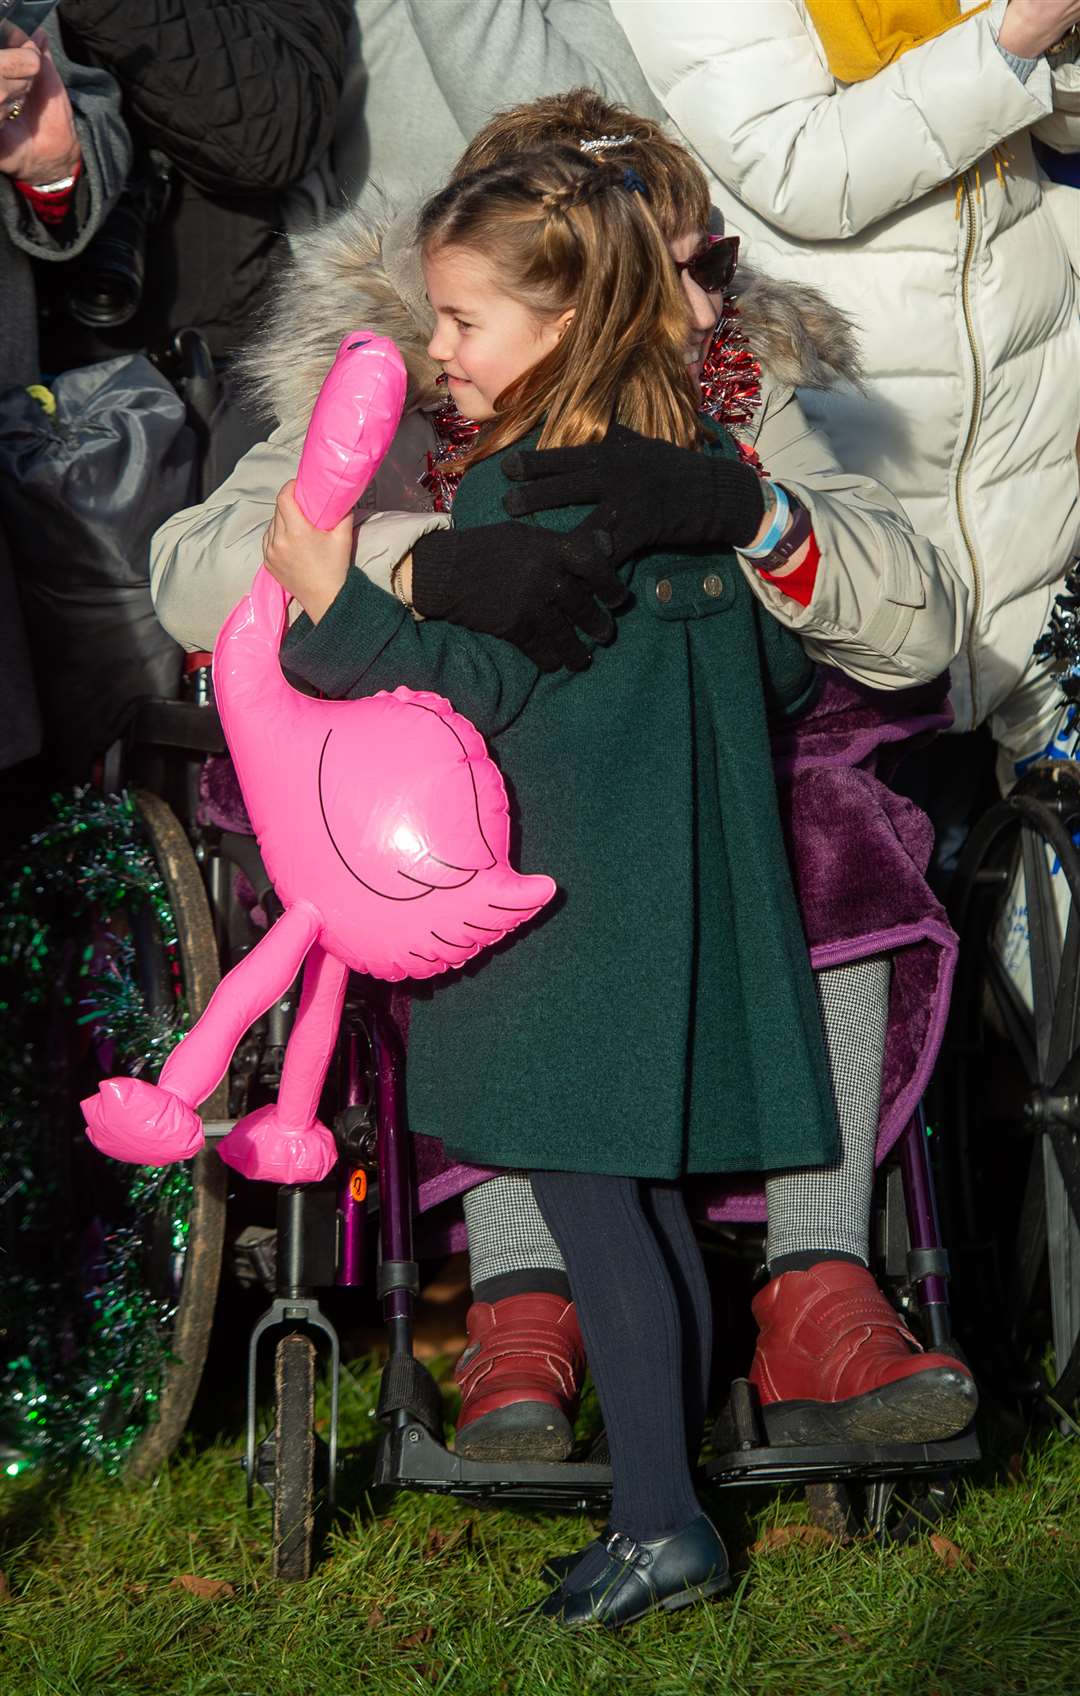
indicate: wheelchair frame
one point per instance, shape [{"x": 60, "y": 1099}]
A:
[{"x": 320, "y": 1243}]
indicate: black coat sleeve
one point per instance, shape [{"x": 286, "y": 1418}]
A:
[{"x": 241, "y": 95}]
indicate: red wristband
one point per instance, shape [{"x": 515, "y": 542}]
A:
[{"x": 798, "y": 585}]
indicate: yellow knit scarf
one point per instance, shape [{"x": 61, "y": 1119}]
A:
[{"x": 860, "y": 37}]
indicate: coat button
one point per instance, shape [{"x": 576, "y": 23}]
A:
[
  {"x": 664, "y": 591},
  {"x": 713, "y": 585}
]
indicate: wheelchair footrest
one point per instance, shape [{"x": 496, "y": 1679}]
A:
[
  {"x": 408, "y": 1387},
  {"x": 809, "y": 1463},
  {"x": 749, "y": 1452},
  {"x": 410, "y": 1458}
]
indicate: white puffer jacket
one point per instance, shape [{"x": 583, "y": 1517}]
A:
[{"x": 914, "y": 202}]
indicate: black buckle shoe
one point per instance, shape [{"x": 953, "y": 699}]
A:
[{"x": 669, "y": 1572}]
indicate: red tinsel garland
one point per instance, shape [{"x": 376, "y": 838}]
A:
[
  {"x": 730, "y": 394},
  {"x": 731, "y": 379},
  {"x": 454, "y": 432}
]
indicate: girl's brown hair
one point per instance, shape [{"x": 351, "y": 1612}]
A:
[
  {"x": 561, "y": 232},
  {"x": 678, "y": 188}
]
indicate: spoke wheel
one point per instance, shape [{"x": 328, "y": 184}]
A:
[
  {"x": 294, "y": 1457},
  {"x": 120, "y": 1263},
  {"x": 1010, "y": 1104}
]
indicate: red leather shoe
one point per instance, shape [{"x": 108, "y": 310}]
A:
[
  {"x": 519, "y": 1378},
  {"x": 835, "y": 1363}
]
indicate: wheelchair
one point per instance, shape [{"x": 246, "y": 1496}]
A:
[{"x": 361, "y": 1224}]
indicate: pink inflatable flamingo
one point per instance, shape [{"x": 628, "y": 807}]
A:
[{"x": 383, "y": 824}]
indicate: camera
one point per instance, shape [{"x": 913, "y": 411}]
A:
[{"x": 104, "y": 286}]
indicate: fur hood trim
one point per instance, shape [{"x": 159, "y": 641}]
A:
[
  {"x": 356, "y": 272},
  {"x": 352, "y": 272},
  {"x": 801, "y": 339}
]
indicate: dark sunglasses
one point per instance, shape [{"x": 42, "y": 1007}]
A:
[{"x": 712, "y": 266}]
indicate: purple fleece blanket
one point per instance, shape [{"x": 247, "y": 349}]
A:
[{"x": 858, "y": 853}]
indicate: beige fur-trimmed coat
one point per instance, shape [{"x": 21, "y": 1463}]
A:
[{"x": 887, "y": 608}]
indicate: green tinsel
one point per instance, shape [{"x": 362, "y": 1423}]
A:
[{"x": 85, "y": 1346}]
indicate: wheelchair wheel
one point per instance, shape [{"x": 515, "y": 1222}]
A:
[
  {"x": 294, "y": 1456},
  {"x": 198, "y": 1279},
  {"x": 889, "y": 1510},
  {"x": 1010, "y": 1104},
  {"x": 118, "y": 1265}
]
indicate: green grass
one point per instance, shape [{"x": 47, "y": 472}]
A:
[{"x": 422, "y": 1595}]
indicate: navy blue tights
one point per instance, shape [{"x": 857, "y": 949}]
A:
[{"x": 643, "y": 1304}]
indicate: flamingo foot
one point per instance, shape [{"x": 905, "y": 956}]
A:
[
  {"x": 260, "y": 1146},
  {"x": 131, "y": 1119}
]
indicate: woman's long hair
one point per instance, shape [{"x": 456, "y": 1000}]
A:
[{"x": 559, "y": 232}]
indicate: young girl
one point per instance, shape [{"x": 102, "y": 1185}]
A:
[{"x": 662, "y": 1020}]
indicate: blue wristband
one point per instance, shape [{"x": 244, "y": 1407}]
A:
[{"x": 776, "y": 530}]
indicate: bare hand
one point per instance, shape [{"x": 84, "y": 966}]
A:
[
  {"x": 18, "y": 68},
  {"x": 40, "y": 144},
  {"x": 1029, "y": 27},
  {"x": 311, "y": 564}
]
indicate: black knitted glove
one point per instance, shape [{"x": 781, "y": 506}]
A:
[
  {"x": 530, "y": 586},
  {"x": 647, "y": 494}
]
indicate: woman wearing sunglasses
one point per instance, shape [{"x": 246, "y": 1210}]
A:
[{"x": 831, "y": 556}]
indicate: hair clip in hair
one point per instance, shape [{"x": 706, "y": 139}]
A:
[
  {"x": 601, "y": 143},
  {"x": 634, "y": 184}
]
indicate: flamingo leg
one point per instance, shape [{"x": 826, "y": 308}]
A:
[
  {"x": 284, "y": 1142},
  {"x": 312, "y": 1039},
  {"x": 155, "y": 1124},
  {"x": 194, "y": 1069}
]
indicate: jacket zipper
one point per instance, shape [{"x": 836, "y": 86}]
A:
[{"x": 969, "y": 442}]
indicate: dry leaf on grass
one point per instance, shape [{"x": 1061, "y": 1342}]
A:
[
  {"x": 416, "y": 1638},
  {"x": 950, "y": 1554},
  {"x": 5, "y": 1587},
  {"x": 846, "y": 1638},
  {"x": 787, "y": 1536},
  {"x": 376, "y": 1618},
  {"x": 439, "y": 1542},
  {"x": 207, "y": 1589}
]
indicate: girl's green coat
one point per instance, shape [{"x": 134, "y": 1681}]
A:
[{"x": 659, "y": 1016}]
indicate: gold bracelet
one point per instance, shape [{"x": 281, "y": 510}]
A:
[{"x": 395, "y": 586}]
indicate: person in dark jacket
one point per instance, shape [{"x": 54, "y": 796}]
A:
[
  {"x": 64, "y": 155},
  {"x": 241, "y": 97},
  {"x": 231, "y": 106}
]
